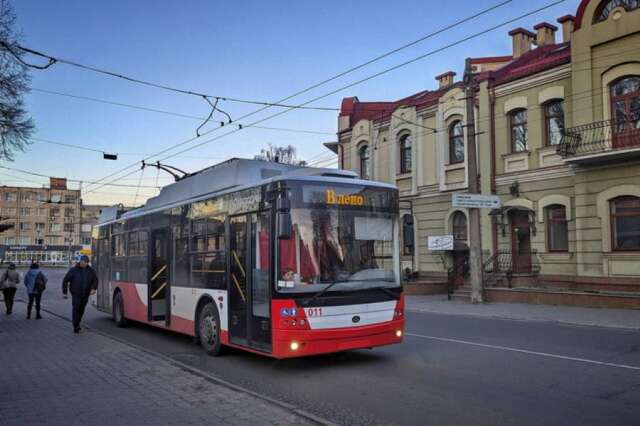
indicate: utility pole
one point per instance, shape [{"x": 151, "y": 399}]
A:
[{"x": 475, "y": 243}]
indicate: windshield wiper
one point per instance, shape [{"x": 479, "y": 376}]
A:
[
  {"x": 389, "y": 292},
  {"x": 321, "y": 292}
]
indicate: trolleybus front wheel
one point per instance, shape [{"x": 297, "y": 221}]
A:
[
  {"x": 118, "y": 310},
  {"x": 209, "y": 329}
]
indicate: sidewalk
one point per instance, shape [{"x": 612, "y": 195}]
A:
[
  {"x": 438, "y": 304},
  {"x": 51, "y": 376}
]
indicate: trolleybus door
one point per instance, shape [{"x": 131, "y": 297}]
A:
[
  {"x": 260, "y": 296},
  {"x": 101, "y": 262},
  {"x": 237, "y": 282},
  {"x": 249, "y": 291},
  {"x": 158, "y": 294}
]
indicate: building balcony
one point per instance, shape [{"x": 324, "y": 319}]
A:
[{"x": 601, "y": 142}]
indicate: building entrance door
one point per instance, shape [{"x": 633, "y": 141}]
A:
[
  {"x": 460, "y": 263},
  {"x": 520, "y": 242}
]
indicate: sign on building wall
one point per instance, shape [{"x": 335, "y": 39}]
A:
[
  {"x": 57, "y": 183},
  {"x": 477, "y": 201},
  {"x": 440, "y": 242}
]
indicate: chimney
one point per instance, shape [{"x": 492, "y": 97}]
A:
[
  {"x": 567, "y": 26},
  {"x": 546, "y": 34},
  {"x": 445, "y": 79},
  {"x": 522, "y": 40}
]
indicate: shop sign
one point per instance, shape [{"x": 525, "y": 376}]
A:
[
  {"x": 440, "y": 242},
  {"x": 475, "y": 201}
]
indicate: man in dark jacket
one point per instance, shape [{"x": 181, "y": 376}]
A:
[{"x": 81, "y": 281}]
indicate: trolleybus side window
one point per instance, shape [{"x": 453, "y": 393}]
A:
[
  {"x": 137, "y": 259},
  {"x": 119, "y": 257},
  {"x": 182, "y": 264},
  {"x": 208, "y": 261}
]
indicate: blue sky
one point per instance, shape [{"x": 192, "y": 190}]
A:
[{"x": 260, "y": 50}]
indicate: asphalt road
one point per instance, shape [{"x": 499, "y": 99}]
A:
[{"x": 449, "y": 370}]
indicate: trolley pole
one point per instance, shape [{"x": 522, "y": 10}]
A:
[{"x": 475, "y": 251}]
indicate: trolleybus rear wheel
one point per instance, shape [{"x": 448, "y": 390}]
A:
[
  {"x": 209, "y": 329},
  {"x": 118, "y": 310}
]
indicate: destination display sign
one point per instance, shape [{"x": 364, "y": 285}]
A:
[
  {"x": 331, "y": 197},
  {"x": 475, "y": 201},
  {"x": 344, "y": 196}
]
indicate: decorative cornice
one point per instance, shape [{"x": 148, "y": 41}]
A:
[
  {"x": 535, "y": 175},
  {"x": 548, "y": 76}
]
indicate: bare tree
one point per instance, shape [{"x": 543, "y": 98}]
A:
[
  {"x": 280, "y": 154},
  {"x": 16, "y": 126}
]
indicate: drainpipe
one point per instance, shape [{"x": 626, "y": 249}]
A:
[{"x": 492, "y": 141}]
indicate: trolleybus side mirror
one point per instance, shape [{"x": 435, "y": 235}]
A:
[
  {"x": 284, "y": 225},
  {"x": 283, "y": 207}
]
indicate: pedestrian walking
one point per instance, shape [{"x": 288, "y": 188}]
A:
[
  {"x": 9, "y": 285},
  {"x": 36, "y": 282},
  {"x": 82, "y": 281}
]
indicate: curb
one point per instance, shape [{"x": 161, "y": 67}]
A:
[
  {"x": 207, "y": 376},
  {"x": 502, "y": 317}
]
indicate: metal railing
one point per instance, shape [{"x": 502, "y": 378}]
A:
[
  {"x": 599, "y": 136},
  {"x": 503, "y": 265}
]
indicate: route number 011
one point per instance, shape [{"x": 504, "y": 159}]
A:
[{"x": 314, "y": 312}]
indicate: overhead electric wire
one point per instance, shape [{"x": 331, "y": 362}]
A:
[
  {"x": 334, "y": 77},
  {"x": 69, "y": 145},
  {"x": 385, "y": 71},
  {"x": 54, "y": 60},
  {"x": 171, "y": 113},
  {"x": 70, "y": 179}
]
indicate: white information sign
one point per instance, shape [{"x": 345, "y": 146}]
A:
[
  {"x": 477, "y": 201},
  {"x": 440, "y": 242}
]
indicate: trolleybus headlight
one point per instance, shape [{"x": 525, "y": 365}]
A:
[
  {"x": 294, "y": 346},
  {"x": 398, "y": 333}
]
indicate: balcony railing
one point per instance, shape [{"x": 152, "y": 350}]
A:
[{"x": 599, "y": 137}]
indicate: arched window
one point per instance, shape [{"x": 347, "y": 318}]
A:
[
  {"x": 405, "y": 154},
  {"x": 518, "y": 124},
  {"x": 456, "y": 143},
  {"x": 408, "y": 245},
  {"x": 365, "y": 162},
  {"x": 459, "y": 226},
  {"x": 625, "y": 223},
  {"x": 606, "y": 7},
  {"x": 553, "y": 121},
  {"x": 557, "y": 230},
  {"x": 625, "y": 107}
]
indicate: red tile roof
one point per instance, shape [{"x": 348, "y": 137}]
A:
[
  {"x": 534, "y": 61},
  {"x": 380, "y": 111}
]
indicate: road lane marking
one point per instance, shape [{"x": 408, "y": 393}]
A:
[{"x": 524, "y": 351}]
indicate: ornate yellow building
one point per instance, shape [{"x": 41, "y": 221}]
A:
[{"x": 558, "y": 125}]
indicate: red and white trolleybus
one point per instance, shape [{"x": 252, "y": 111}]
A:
[{"x": 279, "y": 260}]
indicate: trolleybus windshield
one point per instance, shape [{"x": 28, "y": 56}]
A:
[{"x": 342, "y": 236}]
